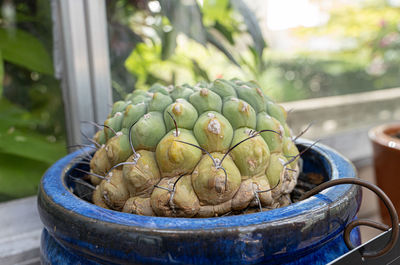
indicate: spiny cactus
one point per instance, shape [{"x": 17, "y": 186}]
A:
[{"x": 201, "y": 151}]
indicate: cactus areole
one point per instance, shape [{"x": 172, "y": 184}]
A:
[{"x": 202, "y": 151}]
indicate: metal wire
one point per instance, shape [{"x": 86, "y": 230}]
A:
[{"x": 389, "y": 205}]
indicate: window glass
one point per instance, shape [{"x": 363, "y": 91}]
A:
[
  {"x": 322, "y": 48},
  {"x": 32, "y": 134},
  {"x": 312, "y": 48},
  {"x": 176, "y": 42}
]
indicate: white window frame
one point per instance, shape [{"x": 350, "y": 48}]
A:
[{"x": 81, "y": 59}]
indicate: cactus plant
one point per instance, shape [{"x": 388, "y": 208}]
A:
[{"x": 202, "y": 151}]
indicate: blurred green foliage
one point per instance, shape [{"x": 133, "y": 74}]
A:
[
  {"x": 369, "y": 58},
  {"x": 23, "y": 49},
  {"x": 31, "y": 111},
  {"x": 159, "y": 41}
]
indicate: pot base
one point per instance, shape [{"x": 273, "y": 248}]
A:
[{"x": 52, "y": 252}]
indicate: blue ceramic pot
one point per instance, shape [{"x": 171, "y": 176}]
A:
[{"x": 306, "y": 232}]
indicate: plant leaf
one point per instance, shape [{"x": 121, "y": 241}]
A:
[
  {"x": 19, "y": 177},
  {"x": 252, "y": 25},
  {"x": 30, "y": 145},
  {"x": 168, "y": 44},
  {"x": 225, "y": 32},
  {"x": 200, "y": 71},
  {"x": 211, "y": 39},
  {"x": 22, "y": 48},
  {"x": 215, "y": 10},
  {"x": 1, "y": 75},
  {"x": 12, "y": 115},
  {"x": 18, "y": 136},
  {"x": 185, "y": 16}
]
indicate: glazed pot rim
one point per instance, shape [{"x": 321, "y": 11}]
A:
[
  {"x": 53, "y": 190},
  {"x": 381, "y": 135}
]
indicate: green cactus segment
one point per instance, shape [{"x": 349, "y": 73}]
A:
[
  {"x": 100, "y": 137},
  {"x": 290, "y": 150},
  {"x": 180, "y": 135},
  {"x": 287, "y": 130},
  {"x": 118, "y": 148},
  {"x": 252, "y": 155},
  {"x": 262, "y": 184},
  {"x": 255, "y": 85},
  {"x": 206, "y": 100},
  {"x": 133, "y": 113},
  {"x": 273, "y": 140},
  {"x": 213, "y": 132},
  {"x": 159, "y": 88},
  {"x": 160, "y": 197},
  {"x": 178, "y": 202},
  {"x": 137, "y": 96},
  {"x": 185, "y": 85},
  {"x": 119, "y": 106},
  {"x": 148, "y": 131},
  {"x": 225, "y": 89},
  {"x": 239, "y": 113},
  {"x": 100, "y": 164},
  {"x": 135, "y": 93},
  {"x": 176, "y": 158},
  {"x": 185, "y": 202},
  {"x": 115, "y": 123},
  {"x": 98, "y": 199},
  {"x": 209, "y": 181},
  {"x": 275, "y": 169},
  {"x": 276, "y": 111},
  {"x": 129, "y": 97},
  {"x": 184, "y": 114},
  {"x": 181, "y": 92},
  {"x": 243, "y": 196},
  {"x": 200, "y": 85},
  {"x": 138, "y": 205},
  {"x": 215, "y": 210},
  {"x": 114, "y": 192},
  {"x": 140, "y": 99},
  {"x": 252, "y": 95},
  {"x": 159, "y": 102},
  {"x": 141, "y": 174}
]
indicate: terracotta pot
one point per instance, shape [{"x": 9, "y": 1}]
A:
[{"x": 386, "y": 151}]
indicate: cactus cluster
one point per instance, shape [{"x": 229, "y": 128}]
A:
[{"x": 201, "y": 151}]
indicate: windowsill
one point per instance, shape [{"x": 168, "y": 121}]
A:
[
  {"x": 343, "y": 121},
  {"x": 20, "y": 233}
]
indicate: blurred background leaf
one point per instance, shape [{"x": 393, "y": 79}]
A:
[
  {"x": 214, "y": 41},
  {"x": 173, "y": 34},
  {"x": 1, "y": 75},
  {"x": 18, "y": 136},
  {"x": 31, "y": 111},
  {"x": 252, "y": 25},
  {"x": 19, "y": 177},
  {"x": 21, "y": 48},
  {"x": 185, "y": 17}
]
